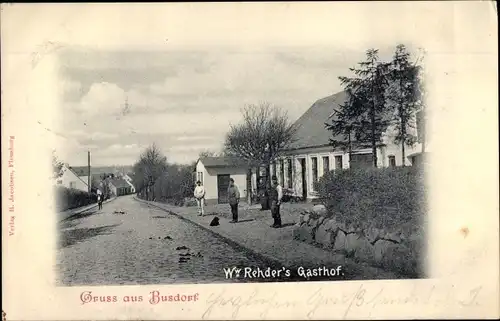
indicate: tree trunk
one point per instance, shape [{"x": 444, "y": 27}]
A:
[
  {"x": 403, "y": 126},
  {"x": 403, "y": 134},
  {"x": 403, "y": 156},
  {"x": 249, "y": 185},
  {"x": 350, "y": 149},
  {"x": 374, "y": 142}
]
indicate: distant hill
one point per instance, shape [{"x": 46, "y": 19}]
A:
[{"x": 82, "y": 170}]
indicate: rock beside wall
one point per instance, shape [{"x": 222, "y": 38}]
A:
[{"x": 388, "y": 249}]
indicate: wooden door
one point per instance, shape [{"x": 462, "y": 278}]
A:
[{"x": 222, "y": 186}]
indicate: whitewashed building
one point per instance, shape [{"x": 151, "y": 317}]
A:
[
  {"x": 311, "y": 155},
  {"x": 71, "y": 179},
  {"x": 215, "y": 172},
  {"x": 306, "y": 160}
]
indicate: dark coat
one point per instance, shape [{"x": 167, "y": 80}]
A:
[{"x": 233, "y": 195}]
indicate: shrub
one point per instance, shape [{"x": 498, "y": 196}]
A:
[
  {"x": 69, "y": 198},
  {"x": 387, "y": 198}
]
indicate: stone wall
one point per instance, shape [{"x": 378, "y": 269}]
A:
[{"x": 392, "y": 250}]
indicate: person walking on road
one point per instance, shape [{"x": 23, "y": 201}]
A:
[
  {"x": 99, "y": 199},
  {"x": 234, "y": 199},
  {"x": 199, "y": 194},
  {"x": 276, "y": 194}
]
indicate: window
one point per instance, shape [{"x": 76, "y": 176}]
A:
[
  {"x": 392, "y": 161},
  {"x": 338, "y": 162},
  {"x": 282, "y": 172},
  {"x": 273, "y": 169},
  {"x": 72, "y": 184},
  {"x": 360, "y": 161},
  {"x": 200, "y": 177},
  {"x": 326, "y": 164},
  {"x": 59, "y": 181},
  {"x": 314, "y": 166},
  {"x": 290, "y": 173}
]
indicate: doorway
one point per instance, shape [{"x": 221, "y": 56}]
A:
[
  {"x": 303, "y": 175},
  {"x": 222, "y": 186}
]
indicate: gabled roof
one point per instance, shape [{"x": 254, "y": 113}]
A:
[
  {"x": 119, "y": 183},
  {"x": 76, "y": 174},
  {"x": 80, "y": 170},
  {"x": 311, "y": 130},
  {"x": 221, "y": 161}
]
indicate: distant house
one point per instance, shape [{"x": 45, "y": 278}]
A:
[
  {"x": 71, "y": 179},
  {"x": 311, "y": 155},
  {"x": 128, "y": 179},
  {"x": 119, "y": 187},
  {"x": 100, "y": 173},
  {"x": 215, "y": 173}
]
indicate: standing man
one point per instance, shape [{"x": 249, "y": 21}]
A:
[
  {"x": 234, "y": 198},
  {"x": 276, "y": 194},
  {"x": 199, "y": 194}
]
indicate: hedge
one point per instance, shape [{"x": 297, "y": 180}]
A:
[
  {"x": 387, "y": 198},
  {"x": 69, "y": 198},
  {"x": 175, "y": 185}
]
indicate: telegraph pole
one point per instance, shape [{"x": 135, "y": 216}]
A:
[{"x": 89, "y": 177}]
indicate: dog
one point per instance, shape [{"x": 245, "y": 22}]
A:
[{"x": 215, "y": 222}]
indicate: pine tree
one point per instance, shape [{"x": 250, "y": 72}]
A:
[
  {"x": 345, "y": 124},
  {"x": 364, "y": 109},
  {"x": 402, "y": 97}
]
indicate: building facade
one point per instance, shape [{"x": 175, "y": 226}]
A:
[
  {"x": 119, "y": 187},
  {"x": 70, "y": 179},
  {"x": 215, "y": 172},
  {"x": 311, "y": 155}
]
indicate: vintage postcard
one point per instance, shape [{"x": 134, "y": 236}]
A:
[{"x": 250, "y": 161}]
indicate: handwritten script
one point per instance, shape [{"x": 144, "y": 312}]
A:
[{"x": 323, "y": 300}]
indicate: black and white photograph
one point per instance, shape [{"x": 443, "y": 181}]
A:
[
  {"x": 264, "y": 165},
  {"x": 250, "y": 161}
]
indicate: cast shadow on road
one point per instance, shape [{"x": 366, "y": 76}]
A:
[
  {"x": 74, "y": 236},
  {"x": 75, "y": 219},
  {"x": 247, "y": 220}
]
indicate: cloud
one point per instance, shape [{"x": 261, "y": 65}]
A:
[
  {"x": 121, "y": 146},
  {"x": 193, "y": 138},
  {"x": 91, "y": 135},
  {"x": 191, "y": 106}
]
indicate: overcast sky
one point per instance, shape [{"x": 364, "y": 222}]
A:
[
  {"x": 184, "y": 101},
  {"x": 187, "y": 70}
]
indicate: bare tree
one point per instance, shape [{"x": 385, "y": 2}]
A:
[
  {"x": 264, "y": 133},
  {"x": 150, "y": 166},
  {"x": 210, "y": 153}
]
